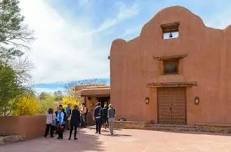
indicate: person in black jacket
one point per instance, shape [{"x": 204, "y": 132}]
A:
[
  {"x": 104, "y": 116},
  {"x": 98, "y": 117},
  {"x": 75, "y": 121}
]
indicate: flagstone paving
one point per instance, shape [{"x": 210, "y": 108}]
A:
[{"x": 126, "y": 141}]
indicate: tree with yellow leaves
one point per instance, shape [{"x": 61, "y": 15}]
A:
[
  {"x": 72, "y": 100},
  {"x": 26, "y": 104}
]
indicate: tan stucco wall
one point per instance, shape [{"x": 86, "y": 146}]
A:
[
  {"x": 207, "y": 62},
  {"x": 26, "y": 126},
  {"x": 90, "y": 103}
]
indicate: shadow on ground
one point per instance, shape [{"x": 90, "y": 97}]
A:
[{"x": 86, "y": 142}]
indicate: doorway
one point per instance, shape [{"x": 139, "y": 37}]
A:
[
  {"x": 103, "y": 101},
  {"x": 171, "y": 105}
]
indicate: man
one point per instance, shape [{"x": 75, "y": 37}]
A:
[
  {"x": 97, "y": 117},
  {"x": 75, "y": 121},
  {"x": 60, "y": 122},
  {"x": 111, "y": 118}
]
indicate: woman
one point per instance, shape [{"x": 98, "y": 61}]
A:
[
  {"x": 74, "y": 122},
  {"x": 50, "y": 120},
  {"x": 83, "y": 112}
]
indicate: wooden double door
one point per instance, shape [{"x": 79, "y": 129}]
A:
[{"x": 171, "y": 105}]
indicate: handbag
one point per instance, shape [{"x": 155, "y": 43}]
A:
[{"x": 60, "y": 128}]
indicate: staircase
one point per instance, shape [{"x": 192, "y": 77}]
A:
[
  {"x": 189, "y": 128},
  {"x": 171, "y": 127},
  {"x": 197, "y": 128}
]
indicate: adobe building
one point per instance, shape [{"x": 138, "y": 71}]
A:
[{"x": 177, "y": 71}]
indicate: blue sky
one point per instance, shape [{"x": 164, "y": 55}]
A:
[{"x": 73, "y": 37}]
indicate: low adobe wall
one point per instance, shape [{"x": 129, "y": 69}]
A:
[{"x": 26, "y": 126}]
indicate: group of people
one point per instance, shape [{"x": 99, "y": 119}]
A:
[
  {"x": 72, "y": 119},
  {"x": 104, "y": 116},
  {"x": 58, "y": 121}
]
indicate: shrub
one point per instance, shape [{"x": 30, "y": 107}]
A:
[{"x": 26, "y": 104}]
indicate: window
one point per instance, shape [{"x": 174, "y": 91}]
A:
[
  {"x": 170, "y": 31},
  {"x": 171, "y": 66}
]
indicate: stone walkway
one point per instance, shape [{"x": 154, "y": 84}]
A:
[{"x": 126, "y": 141}]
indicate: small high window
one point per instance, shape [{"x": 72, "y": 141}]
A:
[
  {"x": 171, "y": 66},
  {"x": 170, "y": 31}
]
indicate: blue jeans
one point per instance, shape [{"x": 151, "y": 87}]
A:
[{"x": 111, "y": 124}]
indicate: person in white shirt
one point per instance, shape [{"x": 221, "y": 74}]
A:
[
  {"x": 50, "y": 123},
  {"x": 83, "y": 112}
]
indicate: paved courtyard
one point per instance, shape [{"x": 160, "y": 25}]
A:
[{"x": 126, "y": 140}]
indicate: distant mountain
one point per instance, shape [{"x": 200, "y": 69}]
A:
[{"x": 54, "y": 86}]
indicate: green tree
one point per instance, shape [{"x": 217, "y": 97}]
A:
[
  {"x": 43, "y": 95},
  {"x": 14, "y": 35},
  {"x": 9, "y": 89},
  {"x": 46, "y": 101},
  {"x": 58, "y": 95}
]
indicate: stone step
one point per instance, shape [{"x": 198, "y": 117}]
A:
[
  {"x": 167, "y": 125},
  {"x": 188, "y": 128},
  {"x": 171, "y": 127},
  {"x": 10, "y": 139}
]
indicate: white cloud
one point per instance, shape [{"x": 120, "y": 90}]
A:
[
  {"x": 62, "y": 50},
  {"x": 124, "y": 12},
  {"x": 132, "y": 32}
]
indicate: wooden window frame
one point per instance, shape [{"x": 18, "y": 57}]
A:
[{"x": 174, "y": 60}]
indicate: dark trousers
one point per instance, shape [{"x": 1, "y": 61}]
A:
[
  {"x": 68, "y": 124},
  {"x": 85, "y": 119},
  {"x": 60, "y": 130},
  {"x": 98, "y": 125},
  {"x": 75, "y": 131},
  {"x": 49, "y": 128}
]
